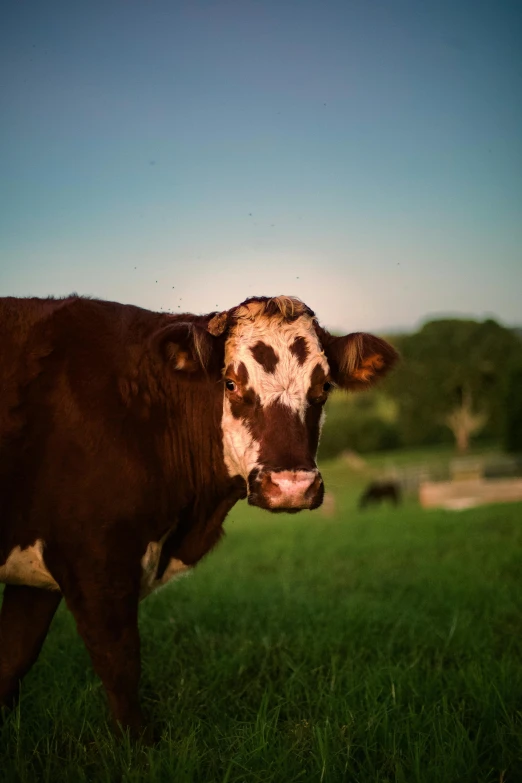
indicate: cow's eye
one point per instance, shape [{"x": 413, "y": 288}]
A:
[
  {"x": 327, "y": 386},
  {"x": 231, "y": 386}
]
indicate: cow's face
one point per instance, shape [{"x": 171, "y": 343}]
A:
[
  {"x": 277, "y": 369},
  {"x": 277, "y": 380}
]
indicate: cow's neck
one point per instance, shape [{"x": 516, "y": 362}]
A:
[
  {"x": 200, "y": 528},
  {"x": 193, "y": 491},
  {"x": 190, "y": 448}
]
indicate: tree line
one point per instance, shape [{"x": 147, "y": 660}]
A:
[{"x": 458, "y": 380}]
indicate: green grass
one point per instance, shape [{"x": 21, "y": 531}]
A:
[{"x": 377, "y": 646}]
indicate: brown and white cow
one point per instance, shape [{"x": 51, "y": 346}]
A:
[{"x": 126, "y": 436}]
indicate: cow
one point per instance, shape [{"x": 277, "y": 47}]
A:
[
  {"x": 126, "y": 436},
  {"x": 378, "y": 491}
]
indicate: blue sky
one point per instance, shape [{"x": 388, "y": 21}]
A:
[{"x": 365, "y": 156}]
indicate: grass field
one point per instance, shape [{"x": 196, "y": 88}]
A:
[{"x": 364, "y": 647}]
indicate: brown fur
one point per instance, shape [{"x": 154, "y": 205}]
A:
[
  {"x": 299, "y": 349},
  {"x": 93, "y": 461},
  {"x": 111, "y": 438},
  {"x": 265, "y": 355}
]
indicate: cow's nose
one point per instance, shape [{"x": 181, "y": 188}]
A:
[
  {"x": 293, "y": 483},
  {"x": 292, "y": 489}
]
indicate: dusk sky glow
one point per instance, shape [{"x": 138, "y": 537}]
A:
[{"x": 364, "y": 156}]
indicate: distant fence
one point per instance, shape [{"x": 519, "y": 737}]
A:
[
  {"x": 411, "y": 478},
  {"x": 466, "y": 493},
  {"x": 457, "y": 483}
]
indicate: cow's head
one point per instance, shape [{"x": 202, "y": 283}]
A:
[{"x": 278, "y": 370}]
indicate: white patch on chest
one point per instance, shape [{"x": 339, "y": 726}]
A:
[
  {"x": 27, "y": 567},
  {"x": 149, "y": 568}
]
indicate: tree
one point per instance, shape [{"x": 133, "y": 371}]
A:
[
  {"x": 359, "y": 422},
  {"x": 513, "y": 410},
  {"x": 463, "y": 422},
  {"x": 452, "y": 378}
]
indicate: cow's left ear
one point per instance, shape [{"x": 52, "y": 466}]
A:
[
  {"x": 358, "y": 360},
  {"x": 187, "y": 347}
]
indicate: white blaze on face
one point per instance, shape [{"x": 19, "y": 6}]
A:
[
  {"x": 285, "y": 381},
  {"x": 240, "y": 450}
]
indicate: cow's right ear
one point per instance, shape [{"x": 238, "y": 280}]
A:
[
  {"x": 219, "y": 323},
  {"x": 187, "y": 347}
]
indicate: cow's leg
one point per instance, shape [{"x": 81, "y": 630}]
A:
[
  {"x": 24, "y": 621},
  {"x": 106, "y": 615}
]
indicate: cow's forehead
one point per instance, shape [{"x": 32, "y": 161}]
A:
[{"x": 280, "y": 356}]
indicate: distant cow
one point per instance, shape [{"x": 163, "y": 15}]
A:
[
  {"x": 126, "y": 436},
  {"x": 378, "y": 491}
]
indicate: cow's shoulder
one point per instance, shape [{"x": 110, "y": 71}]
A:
[{"x": 26, "y": 343}]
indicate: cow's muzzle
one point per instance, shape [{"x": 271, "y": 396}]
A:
[{"x": 286, "y": 490}]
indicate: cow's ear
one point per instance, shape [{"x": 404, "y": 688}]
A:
[
  {"x": 358, "y": 360},
  {"x": 186, "y": 347},
  {"x": 218, "y": 323}
]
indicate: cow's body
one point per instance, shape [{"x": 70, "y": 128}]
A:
[{"x": 126, "y": 437}]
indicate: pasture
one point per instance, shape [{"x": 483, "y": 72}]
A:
[{"x": 361, "y": 647}]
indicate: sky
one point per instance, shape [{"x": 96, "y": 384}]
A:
[{"x": 364, "y": 155}]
